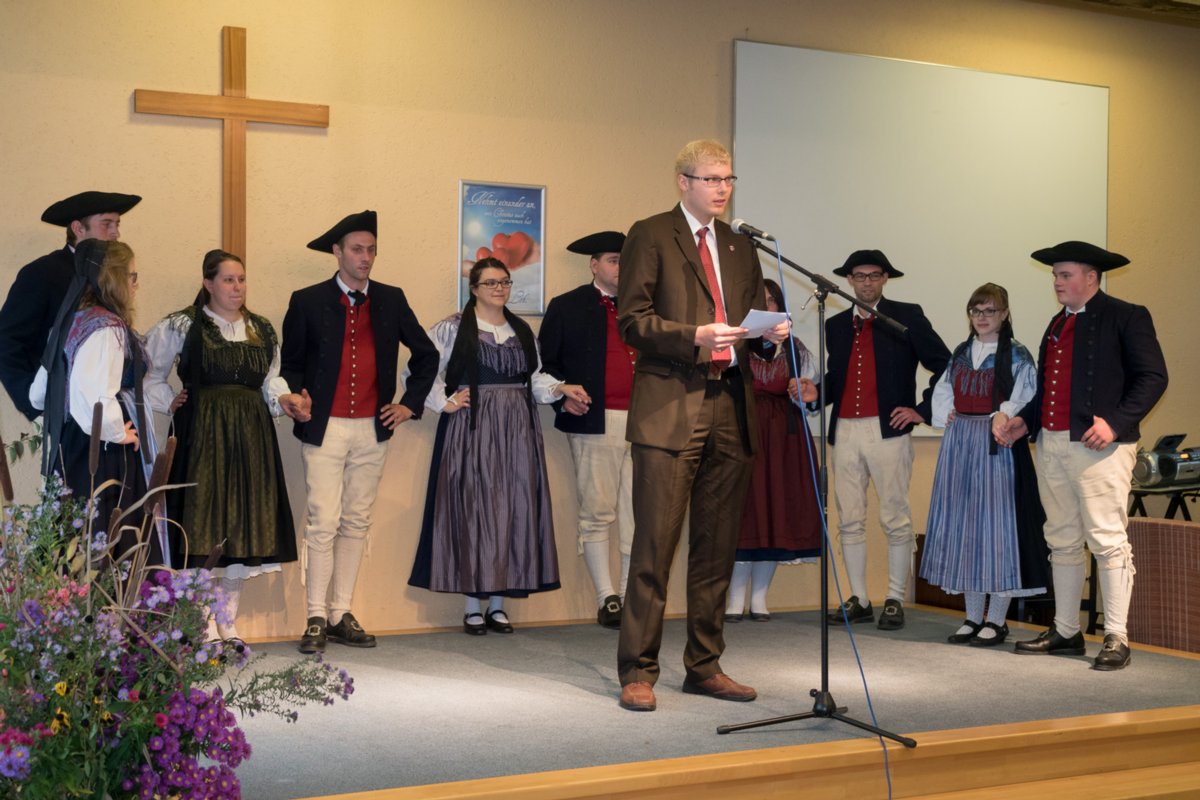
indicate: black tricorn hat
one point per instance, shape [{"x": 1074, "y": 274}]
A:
[
  {"x": 874, "y": 258},
  {"x": 597, "y": 243},
  {"x": 365, "y": 221},
  {"x": 85, "y": 204},
  {"x": 1082, "y": 253}
]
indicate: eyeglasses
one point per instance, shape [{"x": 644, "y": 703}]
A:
[
  {"x": 863, "y": 277},
  {"x": 495, "y": 284},
  {"x": 986, "y": 313},
  {"x": 713, "y": 181}
]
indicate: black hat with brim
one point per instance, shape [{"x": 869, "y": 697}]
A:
[
  {"x": 86, "y": 204},
  {"x": 872, "y": 258},
  {"x": 1080, "y": 253},
  {"x": 597, "y": 243},
  {"x": 364, "y": 221}
]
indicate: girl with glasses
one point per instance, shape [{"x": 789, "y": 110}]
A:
[
  {"x": 488, "y": 530},
  {"x": 984, "y": 534}
]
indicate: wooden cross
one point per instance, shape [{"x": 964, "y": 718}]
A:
[{"x": 234, "y": 109}]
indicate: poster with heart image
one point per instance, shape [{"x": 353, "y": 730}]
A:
[{"x": 504, "y": 221}]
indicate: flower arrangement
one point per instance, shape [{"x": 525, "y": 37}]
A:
[{"x": 108, "y": 687}]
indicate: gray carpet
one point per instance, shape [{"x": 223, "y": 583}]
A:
[{"x": 440, "y": 707}]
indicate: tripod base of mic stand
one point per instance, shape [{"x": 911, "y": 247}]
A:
[{"x": 824, "y": 707}]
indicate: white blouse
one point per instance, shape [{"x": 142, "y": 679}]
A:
[
  {"x": 1024, "y": 385},
  {"x": 165, "y": 342},
  {"x": 543, "y": 384},
  {"x": 95, "y": 377}
]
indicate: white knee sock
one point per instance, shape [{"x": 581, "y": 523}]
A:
[
  {"x": 1068, "y": 592},
  {"x": 231, "y": 591},
  {"x": 347, "y": 555},
  {"x": 760, "y": 581},
  {"x": 496, "y": 607},
  {"x": 473, "y": 608},
  {"x": 998, "y": 610},
  {"x": 975, "y": 602},
  {"x": 1116, "y": 587},
  {"x": 595, "y": 556},
  {"x": 854, "y": 557},
  {"x": 900, "y": 558},
  {"x": 735, "y": 602}
]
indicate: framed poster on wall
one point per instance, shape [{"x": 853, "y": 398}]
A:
[{"x": 506, "y": 221}]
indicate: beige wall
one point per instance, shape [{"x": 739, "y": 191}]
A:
[{"x": 589, "y": 98}]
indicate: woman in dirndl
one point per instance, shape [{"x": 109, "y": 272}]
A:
[
  {"x": 984, "y": 535},
  {"x": 488, "y": 529},
  {"x": 227, "y": 358}
]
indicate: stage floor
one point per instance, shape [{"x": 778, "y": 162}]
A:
[{"x": 438, "y": 707}]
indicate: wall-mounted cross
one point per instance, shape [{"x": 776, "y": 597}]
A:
[{"x": 234, "y": 109}]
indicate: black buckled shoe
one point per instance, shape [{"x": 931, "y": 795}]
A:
[
  {"x": 855, "y": 612},
  {"x": 1051, "y": 643},
  {"x": 609, "y": 615},
  {"x": 313, "y": 640},
  {"x": 474, "y": 628},
  {"x": 963, "y": 638},
  {"x": 991, "y": 641},
  {"x": 498, "y": 625},
  {"x": 350, "y": 633},
  {"x": 892, "y": 617},
  {"x": 1114, "y": 655}
]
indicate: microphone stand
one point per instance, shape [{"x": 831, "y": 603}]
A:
[{"x": 824, "y": 706}]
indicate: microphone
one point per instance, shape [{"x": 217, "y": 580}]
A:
[{"x": 741, "y": 226}]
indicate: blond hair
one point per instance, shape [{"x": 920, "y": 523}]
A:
[
  {"x": 700, "y": 152},
  {"x": 112, "y": 283}
]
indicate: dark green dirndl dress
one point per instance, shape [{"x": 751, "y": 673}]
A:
[{"x": 228, "y": 448}]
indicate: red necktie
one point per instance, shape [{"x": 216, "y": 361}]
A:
[{"x": 720, "y": 358}]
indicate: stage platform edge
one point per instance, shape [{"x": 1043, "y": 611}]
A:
[{"x": 1140, "y": 754}]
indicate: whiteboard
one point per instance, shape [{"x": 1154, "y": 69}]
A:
[{"x": 956, "y": 175}]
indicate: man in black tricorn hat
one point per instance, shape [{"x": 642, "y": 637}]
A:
[
  {"x": 341, "y": 342},
  {"x": 872, "y": 382},
  {"x": 580, "y": 344},
  {"x": 1100, "y": 371},
  {"x": 40, "y": 286}
]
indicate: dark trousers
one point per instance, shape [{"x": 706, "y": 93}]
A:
[{"x": 710, "y": 475}]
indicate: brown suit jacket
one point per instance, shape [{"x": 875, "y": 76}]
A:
[{"x": 663, "y": 297}]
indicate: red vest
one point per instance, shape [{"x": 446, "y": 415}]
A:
[
  {"x": 618, "y": 362},
  {"x": 1056, "y": 373},
  {"x": 860, "y": 398},
  {"x": 357, "y": 393}
]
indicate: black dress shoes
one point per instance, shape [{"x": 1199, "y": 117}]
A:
[
  {"x": 855, "y": 612},
  {"x": 760, "y": 616},
  {"x": 734, "y": 617},
  {"x": 1001, "y": 632},
  {"x": 1051, "y": 643},
  {"x": 497, "y": 621},
  {"x": 963, "y": 638},
  {"x": 1114, "y": 655},
  {"x": 474, "y": 628},
  {"x": 609, "y": 615},
  {"x": 350, "y": 633},
  {"x": 892, "y": 618},
  {"x": 313, "y": 640}
]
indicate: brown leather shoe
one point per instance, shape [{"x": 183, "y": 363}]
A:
[
  {"x": 720, "y": 686},
  {"x": 638, "y": 696}
]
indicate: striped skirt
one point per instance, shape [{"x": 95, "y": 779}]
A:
[{"x": 971, "y": 540}]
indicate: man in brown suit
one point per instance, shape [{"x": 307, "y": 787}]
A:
[{"x": 686, "y": 281}]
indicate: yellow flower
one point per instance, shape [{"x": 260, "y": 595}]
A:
[
  {"x": 61, "y": 720},
  {"x": 61, "y": 688}
]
